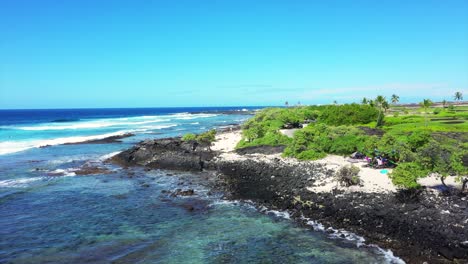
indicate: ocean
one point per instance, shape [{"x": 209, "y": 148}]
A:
[{"x": 49, "y": 214}]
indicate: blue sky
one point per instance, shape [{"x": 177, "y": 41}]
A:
[{"x": 64, "y": 54}]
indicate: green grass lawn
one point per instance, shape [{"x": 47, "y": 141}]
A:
[{"x": 436, "y": 119}]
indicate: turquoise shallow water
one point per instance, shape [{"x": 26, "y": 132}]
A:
[{"x": 128, "y": 217}]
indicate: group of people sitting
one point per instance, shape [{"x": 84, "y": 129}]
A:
[{"x": 378, "y": 160}]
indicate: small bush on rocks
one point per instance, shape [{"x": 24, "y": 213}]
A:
[
  {"x": 205, "y": 137},
  {"x": 189, "y": 137},
  {"x": 348, "y": 175}
]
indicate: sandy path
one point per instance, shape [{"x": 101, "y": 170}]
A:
[{"x": 226, "y": 141}]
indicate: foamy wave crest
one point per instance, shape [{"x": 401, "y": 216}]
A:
[
  {"x": 152, "y": 117},
  {"x": 280, "y": 214},
  {"x": 88, "y": 125},
  {"x": 155, "y": 127},
  {"x": 68, "y": 159},
  {"x": 245, "y": 204},
  {"x": 8, "y": 147},
  {"x": 62, "y": 172},
  {"x": 188, "y": 116},
  {"x": 107, "y": 156},
  {"x": 22, "y": 182},
  {"x": 112, "y": 122}
]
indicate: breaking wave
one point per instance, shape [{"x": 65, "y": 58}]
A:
[{"x": 8, "y": 147}]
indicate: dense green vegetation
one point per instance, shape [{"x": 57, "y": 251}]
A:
[
  {"x": 315, "y": 141},
  {"x": 417, "y": 140},
  {"x": 348, "y": 114},
  {"x": 205, "y": 137},
  {"x": 263, "y": 128}
]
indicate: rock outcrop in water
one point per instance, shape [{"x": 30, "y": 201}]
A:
[
  {"x": 170, "y": 153},
  {"x": 419, "y": 227}
]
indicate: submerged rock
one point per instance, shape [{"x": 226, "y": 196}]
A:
[
  {"x": 180, "y": 192},
  {"x": 88, "y": 170},
  {"x": 107, "y": 140}
]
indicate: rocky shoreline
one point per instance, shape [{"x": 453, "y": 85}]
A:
[{"x": 423, "y": 227}]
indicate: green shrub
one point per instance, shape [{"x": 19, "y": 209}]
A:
[
  {"x": 441, "y": 158},
  {"x": 189, "y": 137},
  {"x": 348, "y": 114},
  {"x": 369, "y": 145},
  {"x": 406, "y": 175},
  {"x": 207, "y": 137},
  {"x": 272, "y": 119},
  {"x": 418, "y": 139},
  {"x": 321, "y": 138},
  {"x": 311, "y": 155},
  {"x": 271, "y": 138},
  {"x": 347, "y": 144},
  {"x": 348, "y": 175},
  {"x": 437, "y": 111}
]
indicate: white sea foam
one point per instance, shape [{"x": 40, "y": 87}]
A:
[
  {"x": 87, "y": 125},
  {"x": 62, "y": 172},
  {"x": 107, "y": 156},
  {"x": 280, "y": 214},
  {"x": 7, "y": 147},
  {"x": 67, "y": 159},
  {"x": 110, "y": 122},
  {"x": 388, "y": 255},
  {"x": 156, "y": 127},
  {"x": 22, "y": 182},
  {"x": 188, "y": 116},
  {"x": 360, "y": 241}
]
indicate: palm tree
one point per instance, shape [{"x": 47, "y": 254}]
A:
[
  {"x": 371, "y": 103},
  {"x": 385, "y": 106},
  {"x": 335, "y": 102},
  {"x": 426, "y": 103},
  {"x": 364, "y": 101},
  {"x": 444, "y": 103},
  {"x": 395, "y": 99},
  {"x": 458, "y": 96},
  {"x": 379, "y": 103},
  {"x": 286, "y": 103}
]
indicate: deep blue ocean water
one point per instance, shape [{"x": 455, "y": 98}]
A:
[{"x": 50, "y": 215}]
